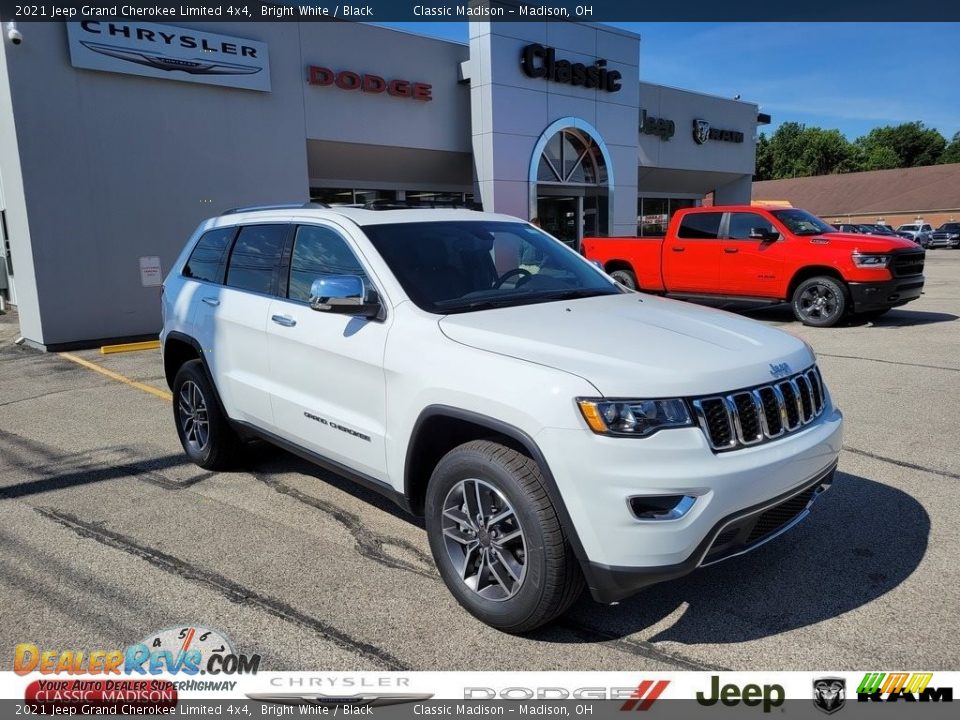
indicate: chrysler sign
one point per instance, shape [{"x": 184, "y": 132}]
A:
[{"x": 169, "y": 53}]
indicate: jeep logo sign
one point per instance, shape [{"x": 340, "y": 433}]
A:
[{"x": 661, "y": 127}]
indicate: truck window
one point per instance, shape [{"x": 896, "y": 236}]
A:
[
  {"x": 742, "y": 223},
  {"x": 700, "y": 226}
]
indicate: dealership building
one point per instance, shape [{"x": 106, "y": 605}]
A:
[{"x": 118, "y": 137}]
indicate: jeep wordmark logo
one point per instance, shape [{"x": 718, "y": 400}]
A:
[
  {"x": 908, "y": 687},
  {"x": 767, "y": 696}
]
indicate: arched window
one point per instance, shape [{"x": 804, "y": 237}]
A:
[{"x": 572, "y": 157}]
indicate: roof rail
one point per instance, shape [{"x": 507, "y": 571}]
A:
[{"x": 280, "y": 206}]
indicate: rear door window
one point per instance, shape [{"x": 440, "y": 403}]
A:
[
  {"x": 256, "y": 257},
  {"x": 701, "y": 226},
  {"x": 208, "y": 259}
]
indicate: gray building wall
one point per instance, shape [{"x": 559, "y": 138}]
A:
[{"x": 99, "y": 169}]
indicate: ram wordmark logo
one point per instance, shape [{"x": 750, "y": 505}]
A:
[
  {"x": 165, "y": 62},
  {"x": 829, "y": 694}
]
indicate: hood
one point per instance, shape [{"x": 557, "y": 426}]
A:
[
  {"x": 869, "y": 243},
  {"x": 634, "y": 345}
]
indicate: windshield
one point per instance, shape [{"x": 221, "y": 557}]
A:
[
  {"x": 800, "y": 222},
  {"x": 909, "y": 228},
  {"x": 949, "y": 227},
  {"x": 460, "y": 266}
]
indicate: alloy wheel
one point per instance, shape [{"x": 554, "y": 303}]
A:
[
  {"x": 819, "y": 302},
  {"x": 192, "y": 409},
  {"x": 484, "y": 539}
]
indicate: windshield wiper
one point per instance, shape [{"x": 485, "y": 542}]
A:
[{"x": 574, "y": 294}]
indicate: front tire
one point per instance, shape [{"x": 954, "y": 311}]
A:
[
  {"x": 496, "y": 538},
  {"x": 820, "y": 301},
  {"x": 206, "y": 435}
]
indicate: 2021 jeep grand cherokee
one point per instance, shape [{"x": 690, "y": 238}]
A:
[{"x": 555, "y": 429}]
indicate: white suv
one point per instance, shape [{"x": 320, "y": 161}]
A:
[{"x": 554, "y": 428}]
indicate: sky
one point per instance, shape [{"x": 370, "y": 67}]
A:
[{"x": 850, "y": 76}]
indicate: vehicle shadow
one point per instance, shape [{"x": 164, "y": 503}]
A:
[
  {"x": 896, "y": 318},
  {"x": 861, "y": 540}
]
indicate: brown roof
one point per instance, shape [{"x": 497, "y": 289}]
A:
[{"x": 936, "y": 187}]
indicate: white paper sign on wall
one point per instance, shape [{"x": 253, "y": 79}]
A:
[{"x": 151, "y": 274}]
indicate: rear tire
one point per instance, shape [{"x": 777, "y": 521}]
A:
[
  {"x": 497, "y": 540},
  {"x": 204, "y": 430},
  {"x": 625, "y": 277},
  {"x": 820, "y": 301}
]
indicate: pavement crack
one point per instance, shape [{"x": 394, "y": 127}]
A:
[
  {"x": 224, "y": 586},
  {"x": 640, "y": 648},
  {"x": 369, "y": 544},
  {"x": 889, "y": 362},
  {"x": 903, "y": 463}
]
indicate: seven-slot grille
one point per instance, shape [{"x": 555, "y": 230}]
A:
[{"x": 756, "y": 415}]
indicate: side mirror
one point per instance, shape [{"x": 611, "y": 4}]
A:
[
  {"x": 759, "y": 233},
  {"x": 344, "y": 295}
]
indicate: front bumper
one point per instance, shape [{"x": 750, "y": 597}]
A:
[
  {"x": 736, "y": 534},
  {"x": 734, "y": 491},
  {"x": 869, "y": 296}
]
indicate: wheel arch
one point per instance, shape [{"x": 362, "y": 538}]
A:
[
  {"x": 440, "y": 428},
  {"x": 811, "y": 271},
  {"x": 178, "y": 349}
]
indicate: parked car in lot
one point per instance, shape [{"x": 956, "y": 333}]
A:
[
  {"x": 918, "y": 232},
  {"x": 753, "y": 254},
  {"x": 947, "y": 235},
  {"x": 556, "y": 430},
  {"x": 878, "y": 229}
]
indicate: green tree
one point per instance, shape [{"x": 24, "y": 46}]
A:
[
  {"x": 795, "y": 150},
  {"x": 764, "y": 169},
  {"x": 913, "y": 145},
  {"x": 952, "y": 153}
]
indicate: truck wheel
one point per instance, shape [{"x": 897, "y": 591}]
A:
[
  {"x": 496, "y": 537},
  {"x": 820, "y": 301},
  {"x": 204, "y": 431},
  {"x": 625, "y": 277}
]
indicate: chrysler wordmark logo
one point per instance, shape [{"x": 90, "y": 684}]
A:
[
  {"x": 361, "y": 700},
  {"x": 165, "y": 62}
]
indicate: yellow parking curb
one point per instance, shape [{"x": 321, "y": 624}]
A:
[
  {"x": 130, "y": 347},
  {"x": 156, "y": 392}
]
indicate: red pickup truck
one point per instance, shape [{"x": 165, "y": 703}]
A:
[{"x": 767, "y": 254}]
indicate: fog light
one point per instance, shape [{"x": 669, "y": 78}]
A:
[{"x": 661, "y": 507}]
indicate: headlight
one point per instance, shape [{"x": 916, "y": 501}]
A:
[
  {"x": 871, "y": 261},
  {"x": 633, "y": 418}
]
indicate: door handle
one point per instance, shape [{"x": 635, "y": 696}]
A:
[
  {"x": 731, "y": 251},
  {"x": 211, "y": 301},
  {"x": 284, "y": 320},
  {"x": 678, "y": 249}
]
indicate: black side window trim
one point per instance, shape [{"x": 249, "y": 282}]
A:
[{"x": 222, "y": 265}]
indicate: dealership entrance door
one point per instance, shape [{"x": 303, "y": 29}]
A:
[{"x": 572, "y": 194}]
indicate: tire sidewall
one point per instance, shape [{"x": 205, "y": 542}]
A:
[
  {"x": 625, "y": 278},
  {"x": 837, "y": 287},
  {"x": 193, "y": 371},
  {"x": 467, "y": 464}
]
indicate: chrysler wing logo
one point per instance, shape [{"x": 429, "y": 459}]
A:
[
  {"x": 779, "y": 370},
  {"x": 165, "y": 62},
  {"x": 701, "y": 131},
  {"x": 829, "y": 694},
  {"x": 362, "y": 700}
]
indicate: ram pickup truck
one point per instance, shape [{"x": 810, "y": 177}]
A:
[{"x": 761, "y": 254}]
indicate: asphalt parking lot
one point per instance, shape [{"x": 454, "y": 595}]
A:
[{"x": 107, "y": 534}]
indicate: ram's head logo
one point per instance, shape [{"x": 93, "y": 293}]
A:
[
  {"x": 701, "y": 131},
  {"x": 829, "y": 694}
]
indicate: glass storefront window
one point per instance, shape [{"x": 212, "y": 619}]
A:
[
  {"x": 653, "y": 214},
  {"x": 430, "y": 198}
]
